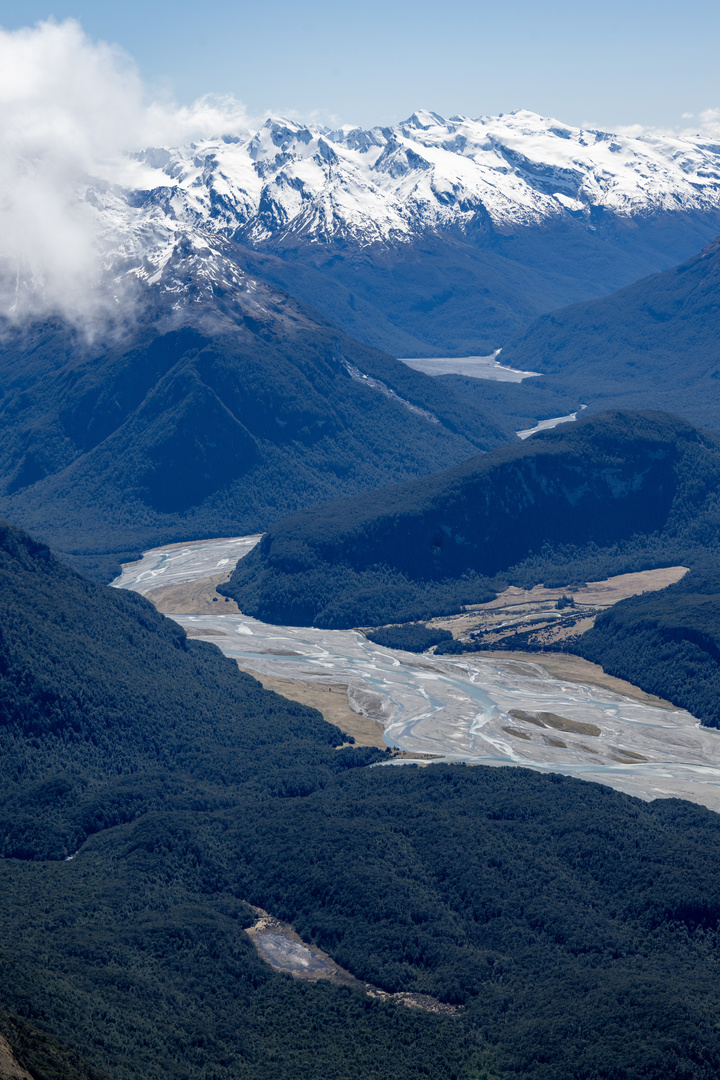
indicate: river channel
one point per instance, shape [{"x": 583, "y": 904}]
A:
[{"x": 474, "y": 710}]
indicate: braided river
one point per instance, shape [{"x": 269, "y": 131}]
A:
[{"x": 477, "y": 710}]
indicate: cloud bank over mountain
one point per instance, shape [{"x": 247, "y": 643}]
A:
[{"x": 71, "y": 110}]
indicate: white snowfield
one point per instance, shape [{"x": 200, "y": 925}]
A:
[{"x": 427, "y": 173}]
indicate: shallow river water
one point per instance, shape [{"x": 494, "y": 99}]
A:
[{"x": 456, "y": 709}]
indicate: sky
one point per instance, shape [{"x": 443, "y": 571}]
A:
[{"x": 609, "y": 65}]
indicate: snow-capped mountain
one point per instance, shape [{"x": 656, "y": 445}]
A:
[
  {"x": 294, "y": 182},
  {"x": 433, "y": 237}
]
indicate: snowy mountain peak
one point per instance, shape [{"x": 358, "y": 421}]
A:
[
  {"x": 423, "y": 119},
  {"x": 291, "y": 180}
]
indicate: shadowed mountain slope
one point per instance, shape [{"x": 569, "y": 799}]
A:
[
  {"x": 654, "y": 344},
  {"x": 26, "y": 1053},
  {"x": 220, "y": 407},
  {"x": 107, "y": 710},
  {"x": 621, "y": 489}
]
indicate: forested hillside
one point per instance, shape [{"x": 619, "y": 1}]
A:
[
  {"x": 577, "y": 928},
  {"x": 211, "y": 420},
  {"x": 611, "y": 493},
  {"x": 108, "y": 711}
]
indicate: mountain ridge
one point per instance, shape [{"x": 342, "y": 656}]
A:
[
  {"x": 432, "y": 234},
  {"x": 655, "y": 342},
  {"x": 610, "y": 493},
  {"x": 427, "y": 173},
  {"x": 446, "y": 234}
]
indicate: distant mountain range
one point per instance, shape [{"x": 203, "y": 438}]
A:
[
  {"x": 442, "y": 234},
  {"x": 212, "y": 398},
  {"x": 430, "y": 237},
  {"x": 292, "y": 183}
]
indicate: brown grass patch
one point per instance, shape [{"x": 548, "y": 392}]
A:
[
  {"x": 517, "y": 734},
  {"x": 625, "y": 757},
  {"x": 193, "y": 598},
  {"x": 331, "y": 701},
  {"x": 528, "y": 717},
  {"x": 550, "y": 719},
  {"x": 561, "y": 723}
]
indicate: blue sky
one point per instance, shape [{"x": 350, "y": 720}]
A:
[{"x": 610, "y": 64}]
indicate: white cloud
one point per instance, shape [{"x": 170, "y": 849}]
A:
[
  {"x": 709, "y": 125},
  {"x": 631, "y": 131},
  {"x": 70, "y": 110}
]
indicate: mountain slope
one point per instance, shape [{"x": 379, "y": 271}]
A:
[
  {"x": 654, "y": 344},
  {"x": 614, "y": 492},
  {"x": 221, "y": 406},
  {"x": 108, "y": 711},
  {"x": 134, "y": 953}
]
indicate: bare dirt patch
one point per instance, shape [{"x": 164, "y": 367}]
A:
[
  {"x": 10, "y": 1068},
  {"x": 194, "y": 598},
  {"x": 324, "y": 967},
  {"x": 331, "y": 701},
  {"x": 320, "y": 966}
]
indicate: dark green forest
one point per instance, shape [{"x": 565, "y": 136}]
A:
[
  {"x": 413, "y": 637},
  {"x": 43, "y": 1057},
  {"x": 576, "y": 928},
  {"x": 608, "y": 494}
]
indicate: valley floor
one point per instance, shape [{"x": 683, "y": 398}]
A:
[{"x": 556, "y": 714}]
